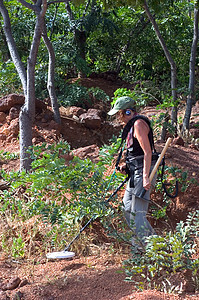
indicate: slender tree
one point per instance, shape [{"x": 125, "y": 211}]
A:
[
  {"x": 170, "y": 60},
  {"x": 144, "y": 4},
  {"x": 79, "y": 34},
  {"x": 192, "y": 64},
  {"x": 27, "y": 113},
  {"x": 134, "y": 32},
  {"x": 51, "y": 75},
  {"x": 85, "y": 23}
]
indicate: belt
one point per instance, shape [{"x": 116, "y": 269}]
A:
[{"x": 138, "y": 160}]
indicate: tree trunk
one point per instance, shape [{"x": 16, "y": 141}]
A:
[
  {"x": 135, "y": 31},
  {"x": 170, "y": 60},
  {"x": 53, "y": 22},
  {"x": 27, "y": 113},
  {"x": 12, "y": 47},
  {"x": 51, "y": 72},
  {"x": 79, "y": 36},
  {"x": 189, "y": 10},
  {"x": 164, "y": 126},
  {"x": 192, "y": 63}
]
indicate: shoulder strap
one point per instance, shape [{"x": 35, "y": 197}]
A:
[
  {"x": 130, "y": 124},
  {"x": 128, "y": 127}
]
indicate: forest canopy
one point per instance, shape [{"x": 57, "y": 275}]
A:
[
  {"x": 120, "y": 39},
  {"x": 150, "y": 43}
]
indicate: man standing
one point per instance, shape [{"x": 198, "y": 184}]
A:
[{"x": 139, "y": 163}]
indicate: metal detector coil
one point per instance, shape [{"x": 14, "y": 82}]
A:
[
  {"x": 68, "y": 254},
  {"x": 59, "y": 255}
]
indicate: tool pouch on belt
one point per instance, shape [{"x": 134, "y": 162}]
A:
[
  {"x": 136, "y": 163},
  {"x": 131, "y": 173}
]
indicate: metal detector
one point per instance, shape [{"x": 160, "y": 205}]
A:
[{"x": 67, "y": 254}]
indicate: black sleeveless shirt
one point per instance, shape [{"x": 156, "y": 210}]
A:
[{"x": 135, "y": 149}]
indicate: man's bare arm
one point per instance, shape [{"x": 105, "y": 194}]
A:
[{"x": 141, "y": 131}]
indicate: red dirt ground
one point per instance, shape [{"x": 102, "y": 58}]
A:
[{"x": 98, "y": 276}]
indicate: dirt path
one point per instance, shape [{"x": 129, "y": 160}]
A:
[{"x": 96, "y": 277}]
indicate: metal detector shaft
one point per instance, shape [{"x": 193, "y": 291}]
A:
[
  {"x": 93, "y": 217},
  {"x": 153, "y": 172},
  {"x": 76, "y": 237},
  {"x": 117, "y": 189}
]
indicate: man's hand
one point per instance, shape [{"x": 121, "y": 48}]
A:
[
  {"x": 123, "y": 169},
  {"x": 146, "y": 183}
]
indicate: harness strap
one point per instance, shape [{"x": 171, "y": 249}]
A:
[
  {"x": 125, "y": 132},
  {"x": 118, "y": 159},
  {"x": 130, "y": 124}
]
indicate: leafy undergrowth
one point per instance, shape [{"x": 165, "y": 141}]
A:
[{"x": 44, "y": 209}]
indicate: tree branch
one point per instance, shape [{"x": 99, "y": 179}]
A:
[
  {"x": 68, "y": 8},
  {"x": 86, "y": 8},
  {"x": 53, "y": 21},
  {"x": 57, "y": 1},
  {"x": 12, "y": 46},
  {"x": 28, "y": 5},
  {"x": 169, "y": 59},
  {"x": 44, "y": 8},
  {"x": 51, "y": 73}
]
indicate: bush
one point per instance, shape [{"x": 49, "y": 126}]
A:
[
  {"x": 174, "y": 253},
  {"x": 98, "y": 95},
  {"x": 74, "y": 94},
  {"x": 78, "y": 95},
  {"x": 9, "y": 79},
  {"x": 141, "y": 95},
  {"x": 60, "y": 195}
]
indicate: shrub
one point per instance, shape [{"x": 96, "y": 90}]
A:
[
  {"x": 74, "y": 94},
  {"x": 141, "y": 96},
  {"x": 98, "y": 94},
  {"x": 62, "y": 195},
  {"x": 173, "y": 253},
  {"x": 9, "y": 79}
]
